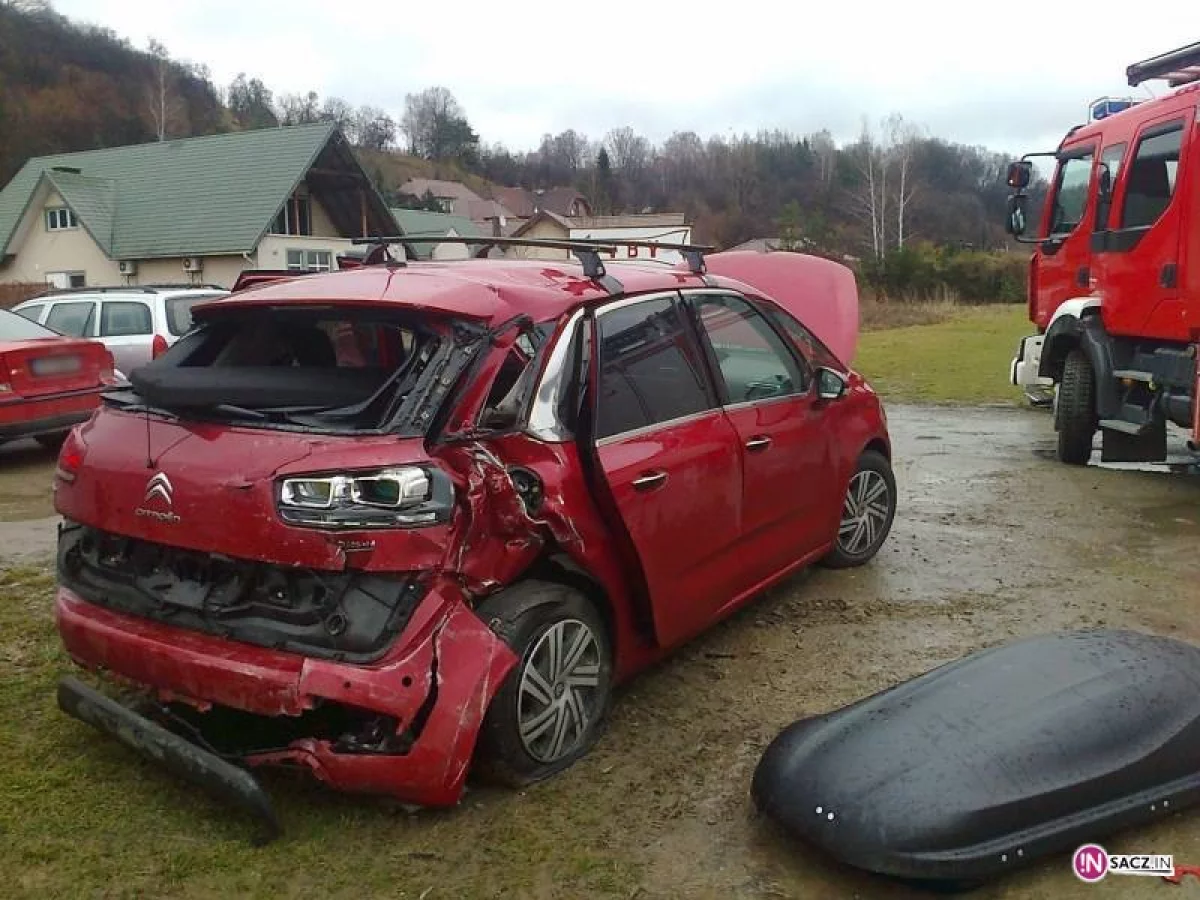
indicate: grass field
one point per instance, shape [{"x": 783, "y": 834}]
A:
[
  {"x": 80, "y": 816},
  {"x": 963, "y": 357}
]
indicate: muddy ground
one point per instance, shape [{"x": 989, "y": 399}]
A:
[{"x": 993, "y": 539}]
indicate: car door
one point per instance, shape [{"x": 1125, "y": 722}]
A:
[
  {"x": 1138, "y": 255},
  {"x": 127, "y": 329},
  {"x": 767, "y": 389},
  {"x": 1065, "y": 251},
  {"x": 670, "y": 461},
  {"x": 75, "y": 318}
]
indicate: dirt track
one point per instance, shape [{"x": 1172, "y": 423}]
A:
[{"x": 993, "y": 539}]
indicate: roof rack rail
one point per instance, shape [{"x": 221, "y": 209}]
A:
[
  {"x": 125, "y": 289},
  {"x": 1178, "y": 67},
  {"x": 586, "y": 250}
]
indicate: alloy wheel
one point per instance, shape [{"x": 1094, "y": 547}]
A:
[
  {"x": 559, "y": 690},
  {"x": 864, "y": 513}
]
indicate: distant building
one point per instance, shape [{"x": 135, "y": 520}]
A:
[
  {"x": 423, "y": 224},
  {"x": 667, "y": 228},
  {"x": 197, "y": 210}
]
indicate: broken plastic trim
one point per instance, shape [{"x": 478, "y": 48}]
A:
[{"x": 178, "y": 755}]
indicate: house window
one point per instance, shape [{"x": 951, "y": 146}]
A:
[
  {"x": 310, "y": 260},
  {"x": 60, "y": 219},
  {"x": 446, "y": 203},
  {"x": 295, "y": 217}
]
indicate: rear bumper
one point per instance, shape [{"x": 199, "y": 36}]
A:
[
  {"x": 180, "y": 756},
  {"x": 437, "y": 684},
  {"x": 1023, "y": 370},
  {"x": 30, "y": 417}
]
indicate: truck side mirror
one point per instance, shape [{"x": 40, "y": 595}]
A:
[
  {"x": 1104, "y": 182},
  {"x": 1015, "y": 222},
  {"x": 1019, "y": 174}
]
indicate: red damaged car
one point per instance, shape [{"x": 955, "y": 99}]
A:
[
  {"x": 389, "y": 522},
  {"x": 49, "y": 382}
]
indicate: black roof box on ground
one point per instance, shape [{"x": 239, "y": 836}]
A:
[{"x": 990, "y": 762}]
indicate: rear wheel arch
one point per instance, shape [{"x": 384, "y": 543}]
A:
[{"x": 552, "y": 567}]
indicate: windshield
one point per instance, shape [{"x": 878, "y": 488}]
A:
[
  {"x": 17, "y": 328},
  {"x": 328, "y": 369}
]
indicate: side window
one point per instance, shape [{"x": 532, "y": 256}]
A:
[
  {"x": 814, "y": 352},
  {"x": 648, "y": 370},
  {"x": 1070, "y": 193},
  {"x": 754, "y": 361},
  {"x": 125, "y": 318},
  {"x": 1151, "y": 181},
  {"x": 74, "y": 318},
  {"x": 1110, "y": 162},
  {"x": 30, "y": 312}
]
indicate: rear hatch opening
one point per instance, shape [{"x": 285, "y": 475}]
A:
[{"x": 324, "y": 369}]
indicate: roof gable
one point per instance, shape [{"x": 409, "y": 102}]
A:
[{"x": 207, "y": 195}]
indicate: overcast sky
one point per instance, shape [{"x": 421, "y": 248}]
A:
[{"x": 1011, "y": 76}]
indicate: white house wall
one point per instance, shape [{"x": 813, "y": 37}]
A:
[{"x": 40, "y": 253}]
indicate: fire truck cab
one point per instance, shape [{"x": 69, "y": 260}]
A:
[{"x": 1114, "y": 279}]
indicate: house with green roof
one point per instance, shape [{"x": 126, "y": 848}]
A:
[
  {"x": 196, "y": 210},
  {"x": 425, "y": 224}
]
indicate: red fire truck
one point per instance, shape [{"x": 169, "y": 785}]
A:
[{"x": 1114, "y": 279}]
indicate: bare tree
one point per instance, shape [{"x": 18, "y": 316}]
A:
[
  {"x": 164, "y": 103},
  {"x": 871, "y": 193},
  {"x": 902, "y": 137},
  {"x": 629, "y": 151},
  {"x": 825, "y": 152}
]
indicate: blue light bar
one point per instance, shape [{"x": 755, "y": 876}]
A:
[{"x": 1109, "y": 106}]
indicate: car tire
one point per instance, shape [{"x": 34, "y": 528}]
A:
[
  {"x": 52, "y": 441},
  {"x": 1075, "y": 410},
  {"x": 525, "y": 739},
  {"x": 868, "y": 509}
]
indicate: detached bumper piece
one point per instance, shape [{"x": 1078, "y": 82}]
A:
[
  {"x": 996, "y": 760},
  {"x": 178, "y": 755}
]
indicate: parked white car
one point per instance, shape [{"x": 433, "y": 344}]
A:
[{"x": 136, "y": 323}]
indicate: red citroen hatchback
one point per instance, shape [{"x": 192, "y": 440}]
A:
[{"x": 388, "y": 522}]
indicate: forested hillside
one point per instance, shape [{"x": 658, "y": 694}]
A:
[{"x": 893, "y": 192}]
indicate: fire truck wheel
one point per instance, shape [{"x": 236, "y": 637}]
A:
[{"x": 1075, "y": 411}]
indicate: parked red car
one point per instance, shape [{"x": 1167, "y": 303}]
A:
[
  {"x": 386, "y": 522},
  {"x": 48, "y": 382}
]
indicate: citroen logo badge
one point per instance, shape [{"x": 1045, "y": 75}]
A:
[
  {"x": 161, "y": 492},
  {"x": 159, "y": 486}
]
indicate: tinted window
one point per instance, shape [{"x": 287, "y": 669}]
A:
[
  {"x": 754, "y": 362},
  {"x": 32, "y": 313},
  {"x": 73, "y": 318},
  {"x": 123, "y": 318},
  {"x": 1070, "y": 198},
  {"x": 1151, "y": 178},
  {"x": 17, "y": 328},
  {"x": 179, "y": 312},
  {"x": 648, "y": 370}
]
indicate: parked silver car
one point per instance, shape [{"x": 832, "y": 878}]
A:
[{"x": 136, "y": 323}]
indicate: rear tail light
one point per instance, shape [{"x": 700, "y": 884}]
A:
[
  {"x": 405, "y": 497},
  {"x": 159, "y": 347},
  {"x": 70, "y": 457},
  {"x": 108, "y": 369}
]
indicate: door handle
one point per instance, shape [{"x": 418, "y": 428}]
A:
[
  {"x": 762, "y": 442},
  {"x": 649, "y": 481}
]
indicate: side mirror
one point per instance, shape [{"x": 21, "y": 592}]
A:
[
  {"x": 830, "y": 385},
  {"x": 1019, "y": 174},
  {"x": 1104, "y": 182},
  {"x": 1016, "y": 222}
]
